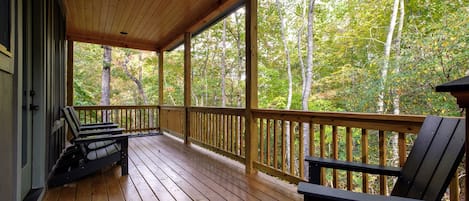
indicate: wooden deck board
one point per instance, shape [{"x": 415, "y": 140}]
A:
[{"x": 163, "y": 168}]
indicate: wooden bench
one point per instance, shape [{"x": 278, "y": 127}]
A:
[{"x": 433, "y": 160}]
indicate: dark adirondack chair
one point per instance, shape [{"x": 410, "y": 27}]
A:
[
  {"x": 433, "y": 160},
  {"x": 90, "y": 153},
  {"x": 84, "y": 133},
  {"x": 93, "y": 126}
]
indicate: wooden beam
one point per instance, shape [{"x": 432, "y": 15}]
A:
[
  {"x": 251, "y": 85},
  {"x": 160, "y": 78},
  {"x": 187, "y": 84},
  {"x": 111, "y": 41},
  {"x": 69, "y": 81},
  {"x": 219, "y": 10},
  {"x": 160, "y": 86}
]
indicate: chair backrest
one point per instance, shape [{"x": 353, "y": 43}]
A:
[
  {"x": 433, "y": 160},
  {"x": 74, "y": 116},
  {"x": 70, "y": 122},
  {"x": 73, "y": 127}
]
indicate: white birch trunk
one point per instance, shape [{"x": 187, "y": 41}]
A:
[
  {"x": 387, "y": 53},
  {"x": 309, "y": 58},
  {"x": 223, "y": 65}
]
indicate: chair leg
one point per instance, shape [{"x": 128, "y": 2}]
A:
[
  {"x": 314, "y": 174},
  {"x": 124, "y": 157}
]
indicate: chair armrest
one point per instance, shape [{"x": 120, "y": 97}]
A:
[
  {"x": 352, "y": 166},
  {"x": 98, "y": 126},
  {"x": 318, "y": 192},
  {"x": 97, "y": 138},
  {"x": 111, "y": 131}
]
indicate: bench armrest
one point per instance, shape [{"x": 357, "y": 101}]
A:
[
  {"x": 98, "y": 126},
  {"x": 110, "y": 131},
  {"x": 352, "y": 166},
  {"x": 97, "y": 138},
  {"x": 318, "y": 192}
]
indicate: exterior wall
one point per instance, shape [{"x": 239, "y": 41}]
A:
[
  {"x": 7, "y": 138},
  {"x": 38, "y": 43}
]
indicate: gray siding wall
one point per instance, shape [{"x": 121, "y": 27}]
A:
[{"x": 7, "y": 138}]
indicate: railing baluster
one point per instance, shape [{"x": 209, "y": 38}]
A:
[
  {"x": 225, "y": 132},
  {"x": 261, "y": 140},
  {"x": 275, "y": 144},
  {"x": 242, "y": 136},
  {"x": 284, "y": 144},
  {"x": 322, "y": 149},
  {"x": 311, "y": 139},
  {"x": 335, "y": 155},
  {"x": 292, "y": 148},
  {"x": 365, "y": 184},
  {"x": 236, "y": 133},
  {"x": 402, "y": 149},
  {"x": 301, "y": 151},
  {"x": 349, "y": 153},
  {"x": 268, "y": 127},
  {"x": 454, "y": 188},
  {"x": 382, "y": 161}
]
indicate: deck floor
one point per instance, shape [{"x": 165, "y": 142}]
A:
[{"x": 162, "y": 168}]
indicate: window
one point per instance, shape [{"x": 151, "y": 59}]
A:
[{"x": 5, "y": 38}]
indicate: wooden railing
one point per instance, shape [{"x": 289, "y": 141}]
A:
[
  {"x": 172, "y": 120},
  {"x": 285, "y": 137},
  {"x": 132, "y": 118},
  {"x": 220, "y": 130}
]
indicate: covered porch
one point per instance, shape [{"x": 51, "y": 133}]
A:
[{"x": 273, "y": 142}]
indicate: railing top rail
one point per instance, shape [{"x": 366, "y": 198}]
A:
[
  {"x": 105, "y": 107},
  {"x": 397, "y": 123},
  {"x": 218, "y": 110},
  {"x": 171, "y": 107},
  {"x": 343, "y": 115}
]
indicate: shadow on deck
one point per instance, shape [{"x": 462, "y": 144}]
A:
[{"x": 162, "y": 168}]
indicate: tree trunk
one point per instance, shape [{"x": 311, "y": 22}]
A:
[
  {"x": 309, "y": 58},
  {"x": 283, "y": 28},
  {"x": 106, "y": 76},
  {"x": 106, "y": 81},
  {"x": 137, "y": 81},
  {"x": 395, "y": 90},
  {"x": 387, "y": 53},
  {"x": 240, "y": 59},
  {"x": 396, "y": 93},
  {"x": 223, "y": 65},
  {"x": 300, "y": 59}
]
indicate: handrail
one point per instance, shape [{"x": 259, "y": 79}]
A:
[
  {"x": 131, "y": 117},
  {"x": 337, "y": 135}
]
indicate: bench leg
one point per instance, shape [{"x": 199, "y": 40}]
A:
[
  {"x": 124, "y": 157},
  {"x": 314, "y": 174},
  {"x": 314, "y": 177}
]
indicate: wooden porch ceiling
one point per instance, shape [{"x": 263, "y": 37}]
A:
[{"x": 150, "y": 24}]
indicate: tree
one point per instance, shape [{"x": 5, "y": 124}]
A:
[
  {"x": 106, "y": 76},
  {"x": 387, "y": 53},
  {"x": 309, "y": 57}
]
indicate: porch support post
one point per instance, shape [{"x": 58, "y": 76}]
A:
[
  {"x": 460, "y": 89},
  {"x": 187, "y": 84},
  {"x": 69, "y": 91},
  {"x": 251, "y": 85},
  {"x": 160, "y": 85}
]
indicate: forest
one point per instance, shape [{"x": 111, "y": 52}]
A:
[{"x": 380, "y": 56}]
